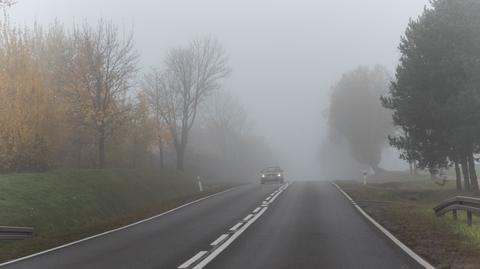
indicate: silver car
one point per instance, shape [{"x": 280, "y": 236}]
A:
[{"x": 272, "y": 174}]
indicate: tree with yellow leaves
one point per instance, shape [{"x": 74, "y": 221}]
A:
[
  {"x": 103, "y": 66},
  {"x": 25, "y": 107}
]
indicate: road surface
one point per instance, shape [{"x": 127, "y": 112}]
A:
[{"x": 307, "y": 225}]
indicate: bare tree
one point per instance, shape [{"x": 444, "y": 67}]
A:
[
  {"x": 225, "y": 112},
  {"x": 226, "y": 122},
  {"x": 191, "y": 74},
  {"x": 154, "y": 89},
  {"x": 104, "y": 63}
]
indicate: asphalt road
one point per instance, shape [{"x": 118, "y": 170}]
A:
[{"x": 309, "y": 225}]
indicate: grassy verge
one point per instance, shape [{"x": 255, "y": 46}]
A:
[
  {"x": 405, "y": 209},
  {"x": 63, "y": 206}
]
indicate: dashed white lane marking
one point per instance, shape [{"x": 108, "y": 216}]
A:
[
  {"x": 219, "y": 239},
  {"x": 399, "y": 243},
  {"x": 235, "y": 227},
  {"x": 116, "y": 229},
  {"x": 222, "y": 242},
  {"x": 249, "y": 216},
  {"x": 273, "y": 199},
  {"x": 275, "y": 196},
  {"x": 232, "y": 238},
  {"x": 192, "y": 260}
]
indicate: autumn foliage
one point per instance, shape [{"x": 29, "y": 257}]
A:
[
  {"x": 60, "y": 96},
  {"x": 70, "y": 97}
]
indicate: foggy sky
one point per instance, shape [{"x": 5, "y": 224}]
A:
[{"x": 285, "y": 55}]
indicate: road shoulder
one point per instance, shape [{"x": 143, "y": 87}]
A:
[
  {"x": 405, "y": 209},
  {"x": 382, "y": 229}
]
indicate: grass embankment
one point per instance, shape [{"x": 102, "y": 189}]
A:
[
  {"x": 405, "y": 208},
  {"x": 67, "y": 205}
]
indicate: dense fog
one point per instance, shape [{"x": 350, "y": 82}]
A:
[{"x": 285, "y": 59}]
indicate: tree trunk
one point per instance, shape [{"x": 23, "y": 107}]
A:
[
  {"x": 101, "y": 148},
  {"x": 180, "y": 156},
  {"x": 466, "y": 176},
  {"x": 181, "y": 147},
  {"x": 160, "y": 151},
  {"x": 458, "y": 176},
  {"x": 410, "y": 165},
  {"x": 472, "y": 172}
]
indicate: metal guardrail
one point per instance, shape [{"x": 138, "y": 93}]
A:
[
  {"x": 469, "y": 204},
  {"x": 15, "y": 233}
]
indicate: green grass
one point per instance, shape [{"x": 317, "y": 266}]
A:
[
  {"x": 70, "y": 204},
  {"x": 458, "y": 227}
]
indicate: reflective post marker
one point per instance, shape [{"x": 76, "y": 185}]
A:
[{"x": 200, "y": 186}]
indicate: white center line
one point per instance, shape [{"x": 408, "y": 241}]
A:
[
  {"x": 192, "y": 260},
  {"x": 249, "y": 216},
  {"x": 222, "y": 242},
  {"x": 234, "y": 228},
  {"x": 219, "y": 239},
  {"x": 232, "y": 238},
  {"x": 274, "y": 197},
  {"x": 51, "y": 250}
]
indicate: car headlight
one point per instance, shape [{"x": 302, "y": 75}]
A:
[
  {"x": 279, "y": 174},
  {"x": 263, "y": 175}
]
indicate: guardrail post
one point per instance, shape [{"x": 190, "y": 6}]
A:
[
  {"x": 469, "y": 218},
  {"x": 454, "y": 212}
]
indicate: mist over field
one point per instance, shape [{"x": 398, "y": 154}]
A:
[{"x": 285, "y": 58}]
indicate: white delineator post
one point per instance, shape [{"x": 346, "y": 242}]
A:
[{"x": 200, "y": 186}]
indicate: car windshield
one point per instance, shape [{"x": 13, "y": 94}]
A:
[{"x": 272, "y": 169}]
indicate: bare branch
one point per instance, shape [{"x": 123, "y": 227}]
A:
[{"x": 191, "y": 75}]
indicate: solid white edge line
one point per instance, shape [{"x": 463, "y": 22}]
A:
[
  {"x": 219, "y": 239},
  {"x": 232, "y": 238},
  {"x": 192, "y": 260},
  {"x": 399, "y": 243},
  {"x": 117, "y": 229},
  {"x": 256, "y": 209}
]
